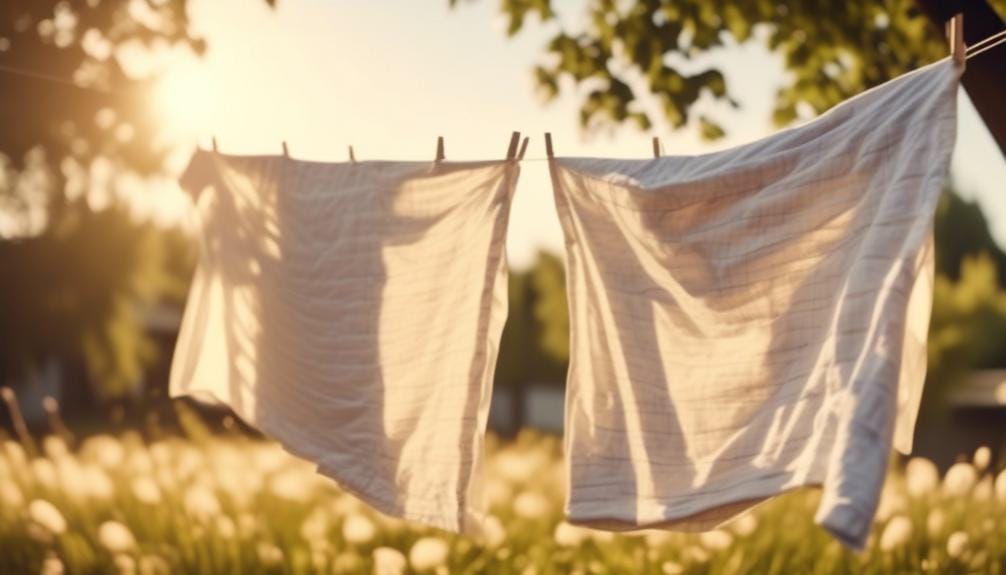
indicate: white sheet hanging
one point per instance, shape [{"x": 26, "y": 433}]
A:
[
  {"x": 754, "y": 320},
  {"x": 353, "y": 312}
]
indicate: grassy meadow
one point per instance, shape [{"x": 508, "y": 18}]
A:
[{"x": 233, "y": 504}]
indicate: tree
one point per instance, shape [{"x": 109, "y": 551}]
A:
[
  {"x": 634, "y": 50},
  {"x": 962, "y": 231},
  {"x": 75, "y": 114}
]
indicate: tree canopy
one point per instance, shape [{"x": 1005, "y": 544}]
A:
[
  {"x": 78, "y": 273},
  {"x": 630, "y": 51}
]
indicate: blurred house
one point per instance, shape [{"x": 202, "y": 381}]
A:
[
  {"x": 66, "y": 381},
  {"x": 975, "y": 416}
]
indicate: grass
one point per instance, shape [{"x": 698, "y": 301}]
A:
[{"x": 231, "y": 504}]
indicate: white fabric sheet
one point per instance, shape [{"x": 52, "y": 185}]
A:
[
  {"x": 754, "y": 320},
  {"x": 353, "y": 311}
]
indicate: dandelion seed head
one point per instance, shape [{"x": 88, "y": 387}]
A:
[
  {"x": 10, "y": 495},
  {"x": 982, "y": 458},
  {"x": 116, "y": 537},
  {"x": 1000, "y": 485},
  {"x": 201, "y": 502},
  {"x": 358, "y": 530},
  {"x": 716, "y": 540},
  {"x": 531, "y": 505},
  {"x": 51, "y": 565},
  {"x": 921, "y": 476},
  {"x": 957, "y": 543},
  {"x": 224, "y": 526},
  {"x": 269, "y": 555},
  {"x": 897, "y": 532},
  {"x": 146, "y": 490},
  {"x": 315, "y": 526},
  {"x": 44, "y": 472},
  {"x": 428, "y": 553},
  {"x": 745, "y": 525},
  {"x": 935, "y": 522},
  {"x": 54, "y": 447},
  {"x": 493, "y": 532},
  {"x": 47, "y": 516},
  {"x": 959, "y": 480},
  {"x": 389, "y": 561},
  {"x": 568, "y": 535}
]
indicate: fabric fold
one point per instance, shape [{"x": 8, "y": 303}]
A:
[
  {"x": 754, "y": 320},
  {"x": 353, "y": 311}
]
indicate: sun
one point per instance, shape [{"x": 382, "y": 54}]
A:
[{"x": 184, "y": 100}]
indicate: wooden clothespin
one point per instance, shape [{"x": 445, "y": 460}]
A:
[
  {"x": 656, "y": 147},
  {"x": 955, "y": 36},
  {"x": 511, "y": 151},
  {"x": 440, "y": 149},
  {"x": 352, "y": 156},
  {"x": 286, "y": 151},
  {"x": 548, "y": 145},
  {"x": 215, "y": 148},
  {"x": 523, "y": 148}
]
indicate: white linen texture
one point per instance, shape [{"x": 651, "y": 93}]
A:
[
  {"x": 353, "y": 312},
  {"x": 751, "y": 321}
]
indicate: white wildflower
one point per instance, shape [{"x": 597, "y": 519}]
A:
[
  {"x": 54, "y": 447},
  {"x": 716, "y": 540},
  {"x": 982, "y": 458},
  {"x": 569, "y": 535},
  {"x": 599, "y": 537},
  {"x": 268, "y": 554},
  {"x": 892, "y": 502},
  {"x": 1000, "y": 487},
  {"x": 154, "y": 565},
  {"x": 983, "y": 490},
  {"x": 315, "y": 526},
  {"x": 672, "y": 568},
  {"x": 531, "y": 505},
  {"x": 498, "y": 492},
  {"x": 51, "y": 565},
  {"x": 124, "y": 564},
  {"x": 745, "y": 525},
  {"x": 146, "y": 490},
  {"x": 696, "y": 554},
  {"x": 104, "y": 450},
  {"x": 921, "y": 476},
  {"x": 10, "y": 495},
  {"x": 44, "y": 472},
  {"x": 225, "y": 527},
  {"x": 897, "y": 532},
  {"x": 389, "y": 561},
  {"x": 358, "y": 530},
  {"x": 518, "y": 467},
  {"x": 293, "y": 485},
  {"x": 16, "y": 456},
  {"x": 959, "y": 480},
  {"x": 95, "y": 482},
  {"x": 116, "y": 537},
  {"x": 201, "y": 502},
  {"x": 957, "y": 543},
  {"x": 935, "y": 522},
  {"x": 428, "y": 553},
  {"x": 493, "y": 532},
  {"x": 45, "y": 514}
]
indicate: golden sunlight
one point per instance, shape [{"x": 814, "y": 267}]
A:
[{"x": 184, "y": 100}]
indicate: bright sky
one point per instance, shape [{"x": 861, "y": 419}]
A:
[{"x": 324, "y": 74}]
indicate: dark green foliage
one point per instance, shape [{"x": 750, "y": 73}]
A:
[
  {"x": 831, "y": 50},
  {"x": 535, "y": 342},
  {"x": 75, "y": 282},
  {"x": 961, "y": 230}
]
